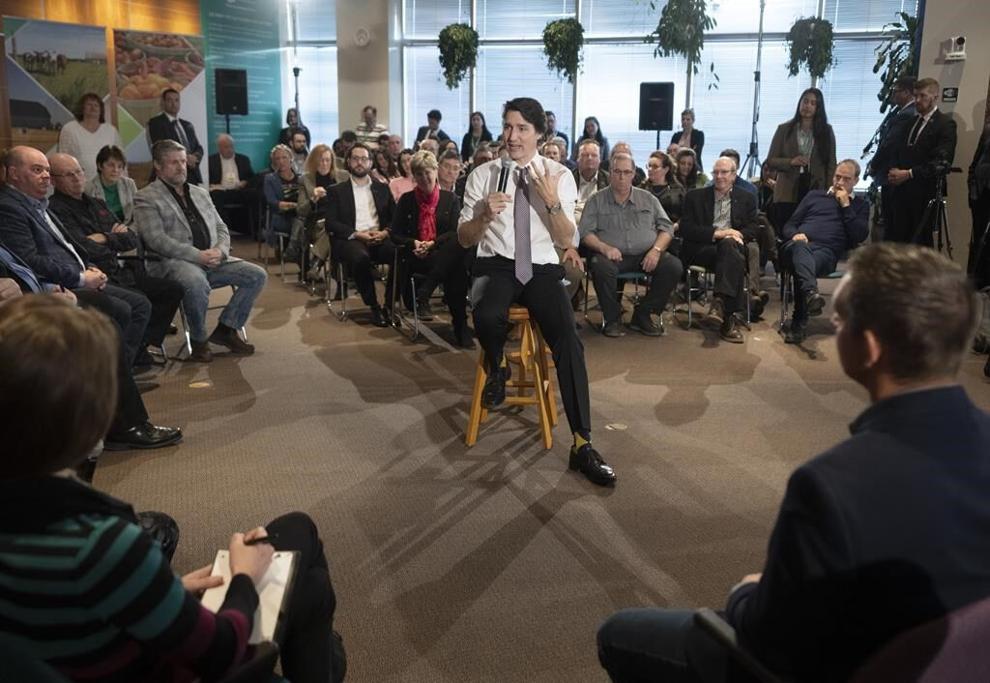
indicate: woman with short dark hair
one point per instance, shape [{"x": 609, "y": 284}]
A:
[
  {"x": 112, "y": 185},
  {"x": 90, "y": 132}
]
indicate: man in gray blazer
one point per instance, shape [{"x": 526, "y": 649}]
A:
[{"x": 178, "y": 222}]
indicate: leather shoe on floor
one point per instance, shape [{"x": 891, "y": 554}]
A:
[
  {"x": 200, "y": 353},
  {"x": 143, "y": 436},
  {"x": 143, "y": 360},
  {"x": 716, "y": 314},
  {"x": 463, "y": 337},
  {"x": 796, "y": 332},
  {"x": 493, "y": 395},
  {"x": 613, "y": 329},
  {"x": 643, "y": 323},
  {"x": 378, "y": 318},
  {"x": 730, "y": 332},
  {"x": 589, "y": 462},
  {"x": 227, "y": 336},
  {"x": 815, "y": 303}
]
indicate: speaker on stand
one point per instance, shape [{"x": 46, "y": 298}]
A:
[
  {"x": 656, "y": 107},
  {"x": 231, "y": 92}
]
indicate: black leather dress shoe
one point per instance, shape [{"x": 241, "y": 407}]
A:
[
  {"x": 378, "y": 318},
  {"x": 200, "y": 353},
  {"x": 815, "y": 303},
  {"x": 143, "y": 436},
  {"x": 493, "y": 395},
  {"x": 643, "y": 323},
  {"x": 796, "y": 332},
  {"x": 590, "y": 463},
  {"x": 228, "y": 336},
  {"x": 730, "y": 332},
  {"x": 613, "y": 330},
  {"x": 463, "y": 337}
]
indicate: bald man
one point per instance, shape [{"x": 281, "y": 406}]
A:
[{"x": 230, "y": 186}]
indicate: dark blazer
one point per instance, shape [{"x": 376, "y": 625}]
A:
[
  {"x": 697, "y": 141},
  {"x": 881, "y": 533},
  {"x": 888, "y": 134},
  {"x": 405, "y": 221},
  {"x": 159, "y": 128},
  {"x": 424, "y": 132},
  {"x": 341, "y": 213},
  {"x": 699, "y": 212},
  {"x": 979, "y": 170},
  {"x": 936, "y": 144},
  {"x": 466, "y": 151},
  {"x": 601, "y": 179},
  {"x": 243, "y": 163},
  {"x": 25, "y": 235},
  {"x": 86, "y": 216}
]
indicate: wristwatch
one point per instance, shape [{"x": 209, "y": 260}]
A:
[
  {"x": 555, "y": 209},
  {"x": 657, "y": 249}
]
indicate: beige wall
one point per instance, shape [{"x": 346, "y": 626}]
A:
[
  {"x": 363, "y": 72},
  {"x": 970, "y": 18}
]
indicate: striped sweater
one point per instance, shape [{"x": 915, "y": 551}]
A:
[{"x": 93, "y": 595}]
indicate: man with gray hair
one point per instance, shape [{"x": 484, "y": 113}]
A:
[
  {"x": 627, "y": 230},
  {"x": 230, "y": 174},
  {"x": 178, "y": 222}
]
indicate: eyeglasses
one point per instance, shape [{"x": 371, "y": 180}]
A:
[{"x": 622, "y": 173}]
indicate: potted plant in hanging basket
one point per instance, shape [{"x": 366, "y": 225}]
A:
[
  {"x": 563, "y": 40},
  {"x": 895, "y": 55},
  {"x": 458, "y": 52},
  {"x": 681, "y": 31},
  {"x": 810, "y": 42}
]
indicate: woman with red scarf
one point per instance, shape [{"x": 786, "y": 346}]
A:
[{"x": 424, "y": 228}]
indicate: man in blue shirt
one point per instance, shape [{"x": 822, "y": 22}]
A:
[{"x": 825, "y": 225}]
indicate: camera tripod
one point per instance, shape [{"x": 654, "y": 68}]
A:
[{"x": 933, "y": 228}]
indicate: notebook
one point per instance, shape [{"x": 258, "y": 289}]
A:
[{"x": 273, "y": 593}]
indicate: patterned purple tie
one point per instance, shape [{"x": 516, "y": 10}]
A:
[{"x": 520, "y": 214}]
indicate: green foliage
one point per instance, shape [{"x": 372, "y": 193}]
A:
[
  {"x": 681, "y": 31},
  {"x": 458, "y": 52},
  {"x": 562, "y": 43},
  {"x": 810, "y": 41},
  {"x": 895, "y": 55}
]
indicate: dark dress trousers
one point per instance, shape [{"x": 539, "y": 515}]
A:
[
  {"x": 341, "y": 217},
  {"x": 160, "y": 128},
  {"x": 239, "y": 207},
  {"x": 726, "y": 256},
  {"x": 979, "y": 203}
]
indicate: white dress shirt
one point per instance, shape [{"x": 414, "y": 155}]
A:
[
  {"x": 499, "y": 239},
  {"x": 229, "y": 177},
  {"x": 365, "y": 213}
]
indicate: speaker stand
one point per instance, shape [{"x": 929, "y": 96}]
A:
[
  {"x": 750, "y": 167},
  {"x": 227, "y": 118}
]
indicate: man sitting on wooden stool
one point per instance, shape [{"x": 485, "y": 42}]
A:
[{"x": 517, "y": 262}]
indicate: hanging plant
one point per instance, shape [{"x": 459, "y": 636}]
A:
[
  {"x": 896, "y": 55},
  {"x": 563, "y": 40},
  {"x": 681, "y": 31},
  {"x": 810, "y": 41},
  {"x": 458, "y": 52}
]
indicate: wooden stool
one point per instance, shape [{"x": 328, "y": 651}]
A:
[{"x": 531, "y": 371}]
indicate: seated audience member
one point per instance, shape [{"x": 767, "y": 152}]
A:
[
  {"x": 369, "y": 130},
  {"x": 627, "y": 230},
  {"x": 689, "y": 137},
  {"x": 825, "y": 225},
  {"x": 624, "y": 148},
  {"x": 131, "y": 427},
  {"x": 662, "y": 183},
  {"x": 881, "y": 533},
  {"x": 178, "y": 222},
  {"x": 281, "y": 190},
  {"x": 476, "y": 135},
  {"x": 144, "y": 622},
  {"x": 482, "y": 155},
  {"x": 111, "y": 185},
  {"x": 448, "y": 146},
  {"x": 404, "y": 182},
  {"x": 432, "y": 129},
  {"x": 88, "y": 222},
  {"x": 300, "y": 150},
  {"x": 449, "y": 171},
  {"x": 688, "y": 172},
  {"x": 30, "y": 230},
  {"x": 740, "y": 181},
  {"x": 292, "y": 124},
  {"x": 552, "y": 132},
  {"x": 550, "y": 150},
  {"x": 312, "y": 208},
  {"x": 430, "y": 145},
  {"x": 425, "y": 229},
  {"x": 565, "y": 158},
  {"x": 672, "y": 150},
  {"x": 90, "y": 132},
  {"x": 341, "y": 150},
  {"x": 382, "y": 171},
  {"x": 230, "y": 174},
  {"x": 394, "y": 148},
  {"x": 716, "y": 223},
  {"x": 359, "y": 215},
  {"x": 588, "y": 175}
]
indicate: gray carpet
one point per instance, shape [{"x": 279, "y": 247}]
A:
[{"x": 495, "y": 562}]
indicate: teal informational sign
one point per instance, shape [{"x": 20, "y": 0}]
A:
[{"x": 244, "y": 34}]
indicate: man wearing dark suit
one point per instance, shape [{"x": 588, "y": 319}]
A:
[
  {"x": 883, "y": 532},
  {"x": 979, "y": 204},
  {"x": 919, "y": 152},
  {"x": 432, "y": 130},
  {"x": 168, "y": 126},
  {"x": 359, "y": 215},
  {"x": 716, "y": 223},
  {"x": 901, "y": 114},
  {"x": 131, "y": 427},
  {"x": 230, "y": 179}
]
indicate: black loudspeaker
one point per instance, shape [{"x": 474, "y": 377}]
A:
[
  {"x": 232, "y": 95},
  {"x": 656, "y": 106}
]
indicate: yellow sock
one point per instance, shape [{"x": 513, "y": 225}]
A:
[{"x": 579, "y": 440}]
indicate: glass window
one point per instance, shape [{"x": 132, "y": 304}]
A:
[
  {"x": 425, "y": 18},
  {"x": 506, "y": 72},
  {"x": 317, "y": 20},
  {"x": 856, "y": 15},
  {"x": 609, "y": 91},
  {"x": 317, "y": 91},
  {"x": 425, "y": 89},
  {"x": 520, "y": 18},
  {"x": 743, "y": 16},
  {"x": 618, "y": 18}
]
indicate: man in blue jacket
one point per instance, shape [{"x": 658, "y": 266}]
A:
[{"x": 825, "y": 225}]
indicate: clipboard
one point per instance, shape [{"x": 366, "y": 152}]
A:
[{"x": 274, "y": 590}]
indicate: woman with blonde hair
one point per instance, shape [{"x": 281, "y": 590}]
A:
[
  {"x": 320, "y": 174},
  {"x": 281, "y": 191}
]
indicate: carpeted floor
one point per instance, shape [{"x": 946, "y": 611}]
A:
[{"x": 492, "y": 563}]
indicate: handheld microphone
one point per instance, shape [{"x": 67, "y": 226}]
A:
[{"x": 503, "y": 174}]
